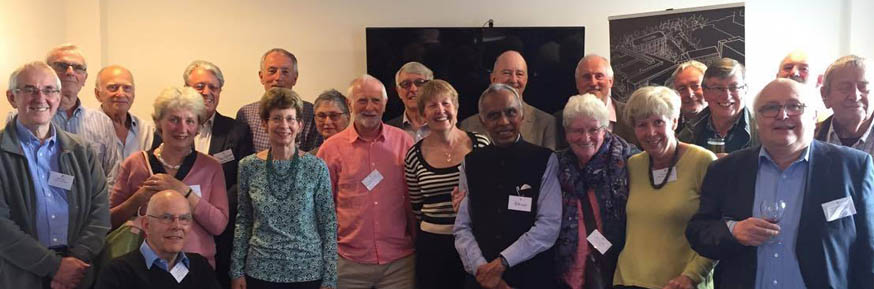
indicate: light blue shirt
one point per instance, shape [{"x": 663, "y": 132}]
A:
[
  {"x": 152, "y": 258},
  {"x": 52, "y": 214},
  {"x": 95, "y": 129},
  {"x": 540, "y": 237},
  {"x": 777, "y": 263}
]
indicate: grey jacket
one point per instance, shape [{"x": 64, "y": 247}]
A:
[{"x": 24, "y": 262}]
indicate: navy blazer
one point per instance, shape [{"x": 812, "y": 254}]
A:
[{"x": 836, "y": 254}]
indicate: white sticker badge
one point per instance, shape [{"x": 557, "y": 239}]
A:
[
  {"x": 372, "y": 179},
  {"x": 224, "y": 156},
  {"x": 196, "y": 190},
  {"x": 519, "y": 203},
  {"x": 59, "y": 180},
  {"x": 839, "y": 208},
  {"x": 599, "y": 242}
]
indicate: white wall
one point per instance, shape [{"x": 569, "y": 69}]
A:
[{"x": 157, "y": 39}]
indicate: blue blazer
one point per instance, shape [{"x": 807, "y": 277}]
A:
[{"x": 836, "y": 254}]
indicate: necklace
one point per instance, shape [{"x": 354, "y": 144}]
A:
[
  {"x": 670, "y": 170},
  {"x": 165, "y": 163},
  {"x": 276, "y": 176}
]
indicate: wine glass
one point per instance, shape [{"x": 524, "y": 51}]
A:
[{"x": 772, "y": 211}]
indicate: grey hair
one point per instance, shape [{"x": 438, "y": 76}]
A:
[
  {"x": 69, "y": 48},
  {"x": 840, "y": 64},
  {"x": 205, "y": 65},
  {"x": 586, "y": 105},
  {"x": 283, "y": 52},
  {"x": 495, "y": 88},
  {"x": 588, "y": 57},
  {"x": 179, "y": 98},
  {"x": 363, "y": 79},
  {"x": 725, "y": 68},
  {"x": 13, "y": 78},
  {"x": 694, "y": 64},
  {"x": 652, "y": 100},
  {"x": 334, "y": 96},
  {"x": 413, "y": 67}
]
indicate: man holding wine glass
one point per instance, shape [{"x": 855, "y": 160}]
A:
[{"x": 791, "y": 213}]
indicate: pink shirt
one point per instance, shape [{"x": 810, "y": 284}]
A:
[
  {"x": 374, "y": 226},
  {"x": 210, "y": 214}
]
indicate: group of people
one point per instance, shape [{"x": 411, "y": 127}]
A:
[{"x": 682, "y": 186}]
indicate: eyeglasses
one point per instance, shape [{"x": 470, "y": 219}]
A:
[
  {"x": 731, "y": 89},
  {"x": 278, "y": 119},
  {"x": 168, "y": 219},
  {"x": 201, "y": 86},
  {"x": 124, "y": 87},
  {"x": 772, "y": 109},
  {"x": 48, "y": 91},
  {"x": 332, "y": 115},
  {"x": 693, "y": 87},
  {"x": 407, "y": 83},
  {"x": 63, "y": 66},
  {"x": 581, "y": 131}
]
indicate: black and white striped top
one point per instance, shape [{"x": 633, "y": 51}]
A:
[{"x": 431, "y": 188}]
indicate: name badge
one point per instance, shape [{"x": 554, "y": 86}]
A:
[
  {"x": 599, "y": 242},
  {"x": 224, "y": 156},
  {"x": 519, "y": 203},
  {"x": 179, "y": 271},
  {"x": 372, "y": 180},
  {"x": 659, "y": 175},
  {"x": 59, "y": 180},
  {"x": 839, "y": 208},
  {"x": 196, "y": 190}
]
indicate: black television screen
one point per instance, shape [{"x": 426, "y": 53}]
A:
[{"x": 464, "y": 57}]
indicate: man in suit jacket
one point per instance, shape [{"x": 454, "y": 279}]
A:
[
  {"x": 223, "y": 138},
  {"x": 823, "y": 238}
]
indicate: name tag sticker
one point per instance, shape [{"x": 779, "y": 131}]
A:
[
  {"x": 60, "y": 180},
  {"x": 224, "y": 156},
  {"x": 372, "y": 180},
  {"x": 518, "y": 203},
  {"x": 839, "y": 208},
  {"x": 599, "y": 241},
  {"x": 659, "y": 175},
  {"x": 179, "y": 271},
  {"x": 196, "y": 190}
]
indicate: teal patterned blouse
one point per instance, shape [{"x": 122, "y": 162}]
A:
[{"x": 286, "y": 223}]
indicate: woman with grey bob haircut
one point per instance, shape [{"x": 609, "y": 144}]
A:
[
  {"x": 593, "y": 168},
  {"x": 663, "y": 195},
  {"x": 331, "y": 114}
]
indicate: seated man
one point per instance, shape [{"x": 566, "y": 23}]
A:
[{"x": 160, "y": 262}]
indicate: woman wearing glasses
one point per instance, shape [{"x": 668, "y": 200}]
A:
[
  {"x": 331, "y": 114},
  {"x": 286, "y": 231},
  {"x": 175, "y": 165}
]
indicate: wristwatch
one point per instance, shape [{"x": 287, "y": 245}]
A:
[{"x": 504, "y": 262}]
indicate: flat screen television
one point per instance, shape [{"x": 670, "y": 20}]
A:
[{"x": 464, "y": 57}]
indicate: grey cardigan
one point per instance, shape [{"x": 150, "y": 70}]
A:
[{"x": 24, "y": 262}]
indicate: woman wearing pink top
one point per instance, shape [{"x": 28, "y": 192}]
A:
[{"x": 175, "y": 165}]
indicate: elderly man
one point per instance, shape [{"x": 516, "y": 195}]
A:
[
  {"x": 726, "y": 120},
  {"x": 510, "y": 217},
  {"x": 278, "y": 69},
  {"x": 374, "y": 217},
  {"x": 116, "y": 91},
  {"x": 538, "y": 127},
  {"x": 54, "y": 212},
  {"x": 160, "y": 262},
  {"x": 686, "y": 80},
  {"x": 845, "y": 90},
  {"x": 594, "y": 75},
  {"x": 793, "y": 213},
  {"x": 795, "y": 66},
  {"x": 409, "y": 78}
]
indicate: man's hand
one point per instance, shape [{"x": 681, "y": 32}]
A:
[
  {"x": 457, "y": 196},
  {"x": 489, "y": 275},
  {"x": 239, "y": 283},
  {"x": 680, "y": 282},
  {"x": 70, "y": 273},
  {"x": 754, "y": 231}
]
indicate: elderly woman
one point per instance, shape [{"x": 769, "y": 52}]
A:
[
  {"x": 592, "y": 175},
  {"x": 664, "y": 194},
  {"x": 286, "y": 231},
  {"x": 175, "y": 165},
  {"x": 331, "y": 114},
  {"x": 432, "y": 173}
]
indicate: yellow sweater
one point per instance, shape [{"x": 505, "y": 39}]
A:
[{"x": 656, "y": 249}]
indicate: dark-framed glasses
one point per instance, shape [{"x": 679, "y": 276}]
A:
[
  {"x": 732, "y": 89},
  {"x": 772, "y": 109},
  {"x": 31, "y": 90},
  {"x": 407, "y": 83},
  {"x": 168, "y": 219},
  {"x": 63, "y": 66},
  {"x": 334, "y": 116}
]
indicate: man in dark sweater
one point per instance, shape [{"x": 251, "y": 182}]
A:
[
  {"x": 508, "y": 222},
  {"x": 160, "y": 262}
]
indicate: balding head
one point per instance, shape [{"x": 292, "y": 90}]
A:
[
  {"x": 511, "y": 69},
  {"x": 594, "y": 75},
  {"x": 795, "y": 66},
  {"x": 168, "y": 221},
  {"x": 785, "y": 116},
  {"x": 115, "y": 90}
]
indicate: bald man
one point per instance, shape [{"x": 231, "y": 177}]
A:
[
  {"x": 115, "y": 90},
  {"x": 795, "y": 66},
  {"x": 538, "y": 127}
]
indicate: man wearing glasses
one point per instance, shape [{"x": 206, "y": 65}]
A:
[
  {"x": 116, "y": 91},
  {"x": 726, "y": 120},
  {"x": 160, "y": 262},
  {"x": 791, "y": 213},
  {"x": 846, "y": 91},
  {"x": 54, "y": 212},
  {"x": 408, "y": 80}
]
